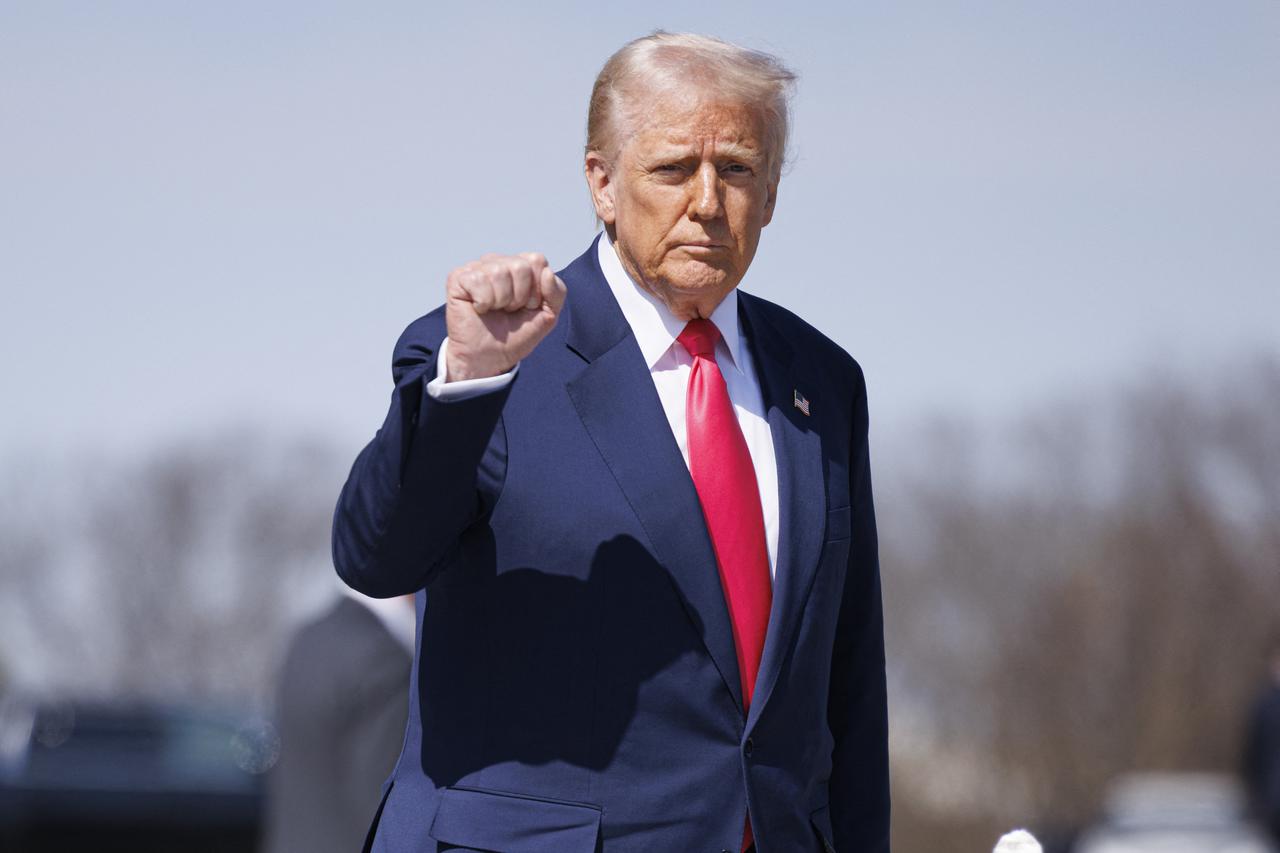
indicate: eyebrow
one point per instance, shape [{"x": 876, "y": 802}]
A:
[{"x": 727, "y": 149}]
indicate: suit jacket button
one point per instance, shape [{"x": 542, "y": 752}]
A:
[{"x": 748, "y": 748}]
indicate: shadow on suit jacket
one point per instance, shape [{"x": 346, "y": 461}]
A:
[
  {"x": 576, "y": 687},
  {"x": 575, "y": 701}
]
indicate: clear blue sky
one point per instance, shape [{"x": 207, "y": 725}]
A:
[{"x": 226, "y": 212}]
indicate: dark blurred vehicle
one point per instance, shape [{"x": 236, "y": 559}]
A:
[
  {"x": 78, "y": 776},
  {"x": 1174, "y": 813}
]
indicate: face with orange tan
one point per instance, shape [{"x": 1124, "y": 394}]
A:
[{"x": 685, "y": 198}]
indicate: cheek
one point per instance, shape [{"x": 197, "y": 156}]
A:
[
  {"x": 652, "y": 225},
  {"x": 748, "y": 216}
]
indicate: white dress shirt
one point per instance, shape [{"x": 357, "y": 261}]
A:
[{"x": 656, "y": 329}]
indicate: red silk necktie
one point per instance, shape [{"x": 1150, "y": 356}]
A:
[{"x": 726, "y": 484}]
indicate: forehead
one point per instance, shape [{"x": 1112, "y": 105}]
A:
[{"x": 676, "y": 119}]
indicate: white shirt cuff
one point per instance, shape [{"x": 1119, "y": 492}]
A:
[{"x": 463, "y": 389}]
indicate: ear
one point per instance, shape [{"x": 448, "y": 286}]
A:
[
  {"x": 599, "y": 181},
  {"x": 770, "y": 201}
]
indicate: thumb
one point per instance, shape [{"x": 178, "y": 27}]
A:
[{"x": 552, "y": 289}]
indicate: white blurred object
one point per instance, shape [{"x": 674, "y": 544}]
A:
[
  {"x": 1174, "y": 813},
  {"x": 1018, "y": 841}
]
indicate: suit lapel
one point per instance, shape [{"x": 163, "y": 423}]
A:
[
  {"x": 801, "y": 486},
  {"x": 619, "y": 407}
]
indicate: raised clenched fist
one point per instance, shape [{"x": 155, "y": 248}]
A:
[{"x": 498, "y": 309}]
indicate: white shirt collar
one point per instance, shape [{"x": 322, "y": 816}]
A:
[{"x": 654, "y": 326}]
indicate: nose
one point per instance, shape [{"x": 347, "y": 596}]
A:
[{"x": 704, "y": 194}]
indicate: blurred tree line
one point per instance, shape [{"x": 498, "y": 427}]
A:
[
  {"x": 171, "y": 576},
  {"x": 1088, "y": 593},
  {"x": 1082, "y": 593}
]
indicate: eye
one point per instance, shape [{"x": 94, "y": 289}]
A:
[
  {"x": 671, "y": 173},
  {"x": 736, "y": 169}
]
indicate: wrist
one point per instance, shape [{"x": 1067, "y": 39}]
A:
[{"x": 459, "y": 368}]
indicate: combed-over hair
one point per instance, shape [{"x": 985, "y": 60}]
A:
[{"x": 664, "y": 61}]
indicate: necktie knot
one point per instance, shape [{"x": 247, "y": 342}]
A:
[{"x": 699, "y": 338}]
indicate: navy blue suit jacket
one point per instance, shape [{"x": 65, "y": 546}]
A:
[{"x": 576, "y": 687}]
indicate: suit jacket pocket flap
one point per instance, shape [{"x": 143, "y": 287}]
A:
[{"x": 513, "y": 823}]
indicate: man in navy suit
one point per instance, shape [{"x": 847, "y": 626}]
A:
[{"x": 636, "y": 507}]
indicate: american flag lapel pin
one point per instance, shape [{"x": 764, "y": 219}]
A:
[{"x": 801, "y": 403}]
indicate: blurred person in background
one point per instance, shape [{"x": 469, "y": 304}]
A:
[
  {"x": 342, "y": 702},
  {"x": 646, "y": 526},
  {"x": 1262, "y": 749}
]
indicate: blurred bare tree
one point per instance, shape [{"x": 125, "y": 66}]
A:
[
  {"x": 172, "y": 576},
  {"x": 1098, "y": 606}
]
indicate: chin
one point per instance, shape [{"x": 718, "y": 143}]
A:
[{"x": 693, "y": 277}]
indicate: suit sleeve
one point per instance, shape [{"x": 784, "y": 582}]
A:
[
  {"x": 431, "y": 471},
  {"x": 857, "y": 710}
]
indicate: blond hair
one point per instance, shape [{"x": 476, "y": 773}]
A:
[{"x": 666, "y": 61}]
